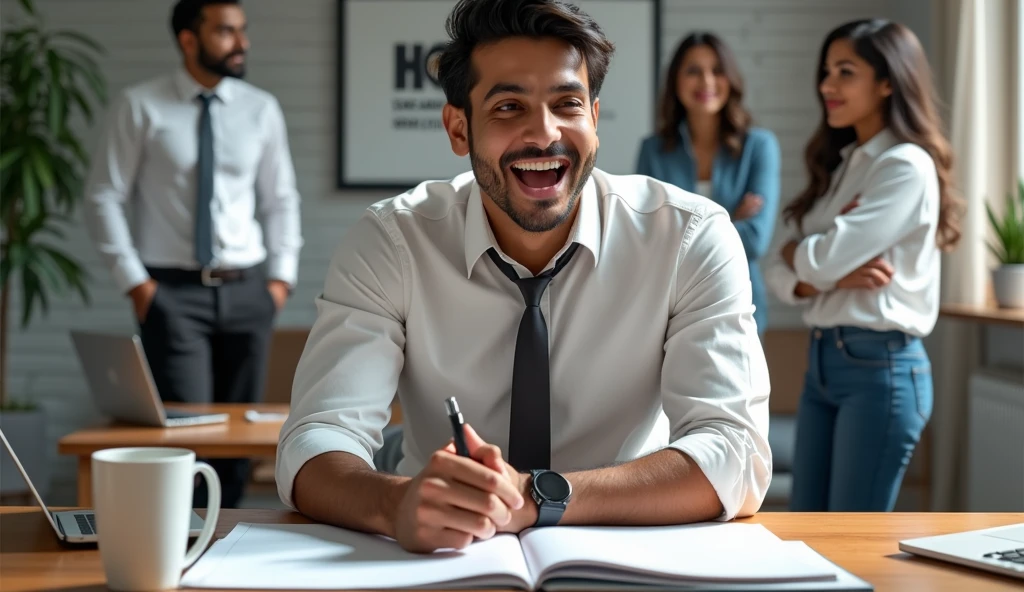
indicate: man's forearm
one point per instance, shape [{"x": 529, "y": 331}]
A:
[
  {"x": 339, "y": 488},
  {"x": 665, "y": 487}
]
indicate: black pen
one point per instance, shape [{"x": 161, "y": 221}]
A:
[{"x": 457, "y": 426}]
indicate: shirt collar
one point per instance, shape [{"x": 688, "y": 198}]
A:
[
  {"x": 878, "y": 144},
  {"x": 479, "y": 237},
  {"x": 189, "y": 89}
]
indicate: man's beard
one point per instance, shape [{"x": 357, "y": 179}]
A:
[
  {"x": 541, "y": 218},
  {"x": 221, "y": 67}
]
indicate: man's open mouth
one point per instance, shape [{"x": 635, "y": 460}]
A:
[{"x": 540, "y": 173}]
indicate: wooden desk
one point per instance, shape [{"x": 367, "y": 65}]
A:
[
  {"x": 863, "y": 544},
  {"x": 237, "y": 438},
  {"x": 1013, "y": 317}
]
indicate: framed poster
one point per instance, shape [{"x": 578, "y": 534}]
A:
[{"x": 390, "y": 134}]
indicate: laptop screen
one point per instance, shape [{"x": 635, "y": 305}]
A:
[{"x": 35, "y": 493}]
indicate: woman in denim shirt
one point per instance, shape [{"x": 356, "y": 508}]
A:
[{"x": 705, "y": 144}]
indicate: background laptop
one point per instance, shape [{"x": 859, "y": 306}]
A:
[
  {"x": 76, "y": 526},
  {"x": 999, "y": 549},
  {"x": 121, "y": 383}
]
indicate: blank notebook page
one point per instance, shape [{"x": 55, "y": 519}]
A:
[
  {"x": 317, "y": 556},
  {"x": 723, "y": 552}
]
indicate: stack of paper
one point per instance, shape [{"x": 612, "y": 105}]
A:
[{"x": 720, "y": 555}]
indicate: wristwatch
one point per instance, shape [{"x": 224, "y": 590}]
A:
[{"x": 552, "y": 492}]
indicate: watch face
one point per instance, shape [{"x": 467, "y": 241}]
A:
[{"x": 552, "y": 486}]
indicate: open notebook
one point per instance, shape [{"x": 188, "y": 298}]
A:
[{"x": 315, "y": 556}]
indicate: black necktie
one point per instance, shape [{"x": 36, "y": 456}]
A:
[
  {"x": 204, "y": 185},
  {"x": 529, "y": 430}
]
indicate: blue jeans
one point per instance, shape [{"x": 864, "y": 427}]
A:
[{"x": 867, "y": 397}]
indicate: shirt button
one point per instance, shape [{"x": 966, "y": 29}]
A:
[
  {"x": 839, "y": 343},
  {"x": 817, "y": 334}
]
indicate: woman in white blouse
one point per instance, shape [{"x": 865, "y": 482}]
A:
[{"x": 860, "y": 250}]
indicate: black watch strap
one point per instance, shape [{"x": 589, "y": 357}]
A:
[{"x": 549, "y": 513}]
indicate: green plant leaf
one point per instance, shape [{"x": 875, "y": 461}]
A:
[
  {"x": 48, "y": 272},
  {"x": 57, "y": 106},
  {"x": 41, "y": 163},
  {"x": 72, "y": 144},
  {"x": 83, "y": 105},
  {"x": 997, "y": 251},
  {"x": 73, "y": 273},
  {"x": 29, "y": 8},
  {"x": 11, "y": 156},
  {"x": 79, "y": 59},
  {"x": 31, "y": 206},
  {"x": 31, "y": 292},
  {"x": 76, "y": 36}
]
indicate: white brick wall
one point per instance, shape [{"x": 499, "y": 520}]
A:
[{"x": 293, "y": 56}]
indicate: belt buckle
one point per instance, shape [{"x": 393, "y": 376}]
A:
[{"x": 207, "y": 279}]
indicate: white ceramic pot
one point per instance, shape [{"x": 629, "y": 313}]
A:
[
  {"x": 26, "y": 432},
  {"x": 1008, "y": 285}
]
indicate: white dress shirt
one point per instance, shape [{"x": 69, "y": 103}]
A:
[
  {"x": 652, "y": 338},
  {"x": 897, "y": 189},
  {"x": 148, "y": 157}
]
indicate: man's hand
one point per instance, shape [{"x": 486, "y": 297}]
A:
[
  {"x": 749, "y": 207},
  {"x": 455, "y": 499},
  {"x": 279, "y": 292},
  {"x": 142, "y": 297},
  {"x": 490, "y": 455},
  {"x": 873, "y": 274}
]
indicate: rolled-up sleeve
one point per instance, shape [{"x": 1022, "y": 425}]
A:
[
  {"x": 715, "y": 380},
  {"x": 348, "y": 374},
  {"x": 889, "y": 208}
]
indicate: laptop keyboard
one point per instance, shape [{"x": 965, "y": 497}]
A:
[
  {"x": 1013, "y": 556},
  {"x": 86, "y": 523}
]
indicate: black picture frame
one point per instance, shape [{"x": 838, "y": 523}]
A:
[{"x": 342, "y": 181}]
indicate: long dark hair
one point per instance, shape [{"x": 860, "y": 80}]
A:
[
  {"x": 671, "y": 113},
  {"x": 910, "y": 112}
]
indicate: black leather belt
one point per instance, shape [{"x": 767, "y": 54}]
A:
[{"x": 205, "y": 276}]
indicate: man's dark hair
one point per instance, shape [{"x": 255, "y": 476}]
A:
[
  {"x": 187, "y": 14},
  {"x": 473, "y": 23}
]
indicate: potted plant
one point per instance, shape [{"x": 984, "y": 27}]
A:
[
  {"x": 47, "y": 78},
  {"x": 1008, "y": 278}
]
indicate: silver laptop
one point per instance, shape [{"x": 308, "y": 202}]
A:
[
  {"x": 121, "y": 383},
  {"x": 999, "y": 550},
  {"x": 76, "y": 526}
]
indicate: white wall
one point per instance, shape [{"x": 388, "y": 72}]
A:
[{"x": 293, "y": 56}]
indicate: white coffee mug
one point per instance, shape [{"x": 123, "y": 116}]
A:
[{"x": 143, "y": 503}]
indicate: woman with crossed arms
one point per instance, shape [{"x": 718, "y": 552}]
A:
[{"x": 860, "y": 250}]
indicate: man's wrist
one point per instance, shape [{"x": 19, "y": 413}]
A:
[
  {"x": 526, "y": 516},
  {"x": 389, "y": 509}
]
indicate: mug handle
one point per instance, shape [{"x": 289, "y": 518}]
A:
[{"x": 212, "y": 512}]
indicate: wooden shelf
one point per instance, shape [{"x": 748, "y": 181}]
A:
[{"x": 1013, "y": 317}]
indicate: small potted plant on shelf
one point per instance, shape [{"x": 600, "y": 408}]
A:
[
  {"x": 1008, "y": 278},
  {"x": 47, "y": 79}
]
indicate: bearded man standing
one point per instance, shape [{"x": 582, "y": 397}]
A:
[{"x": 210, "y": 253}]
